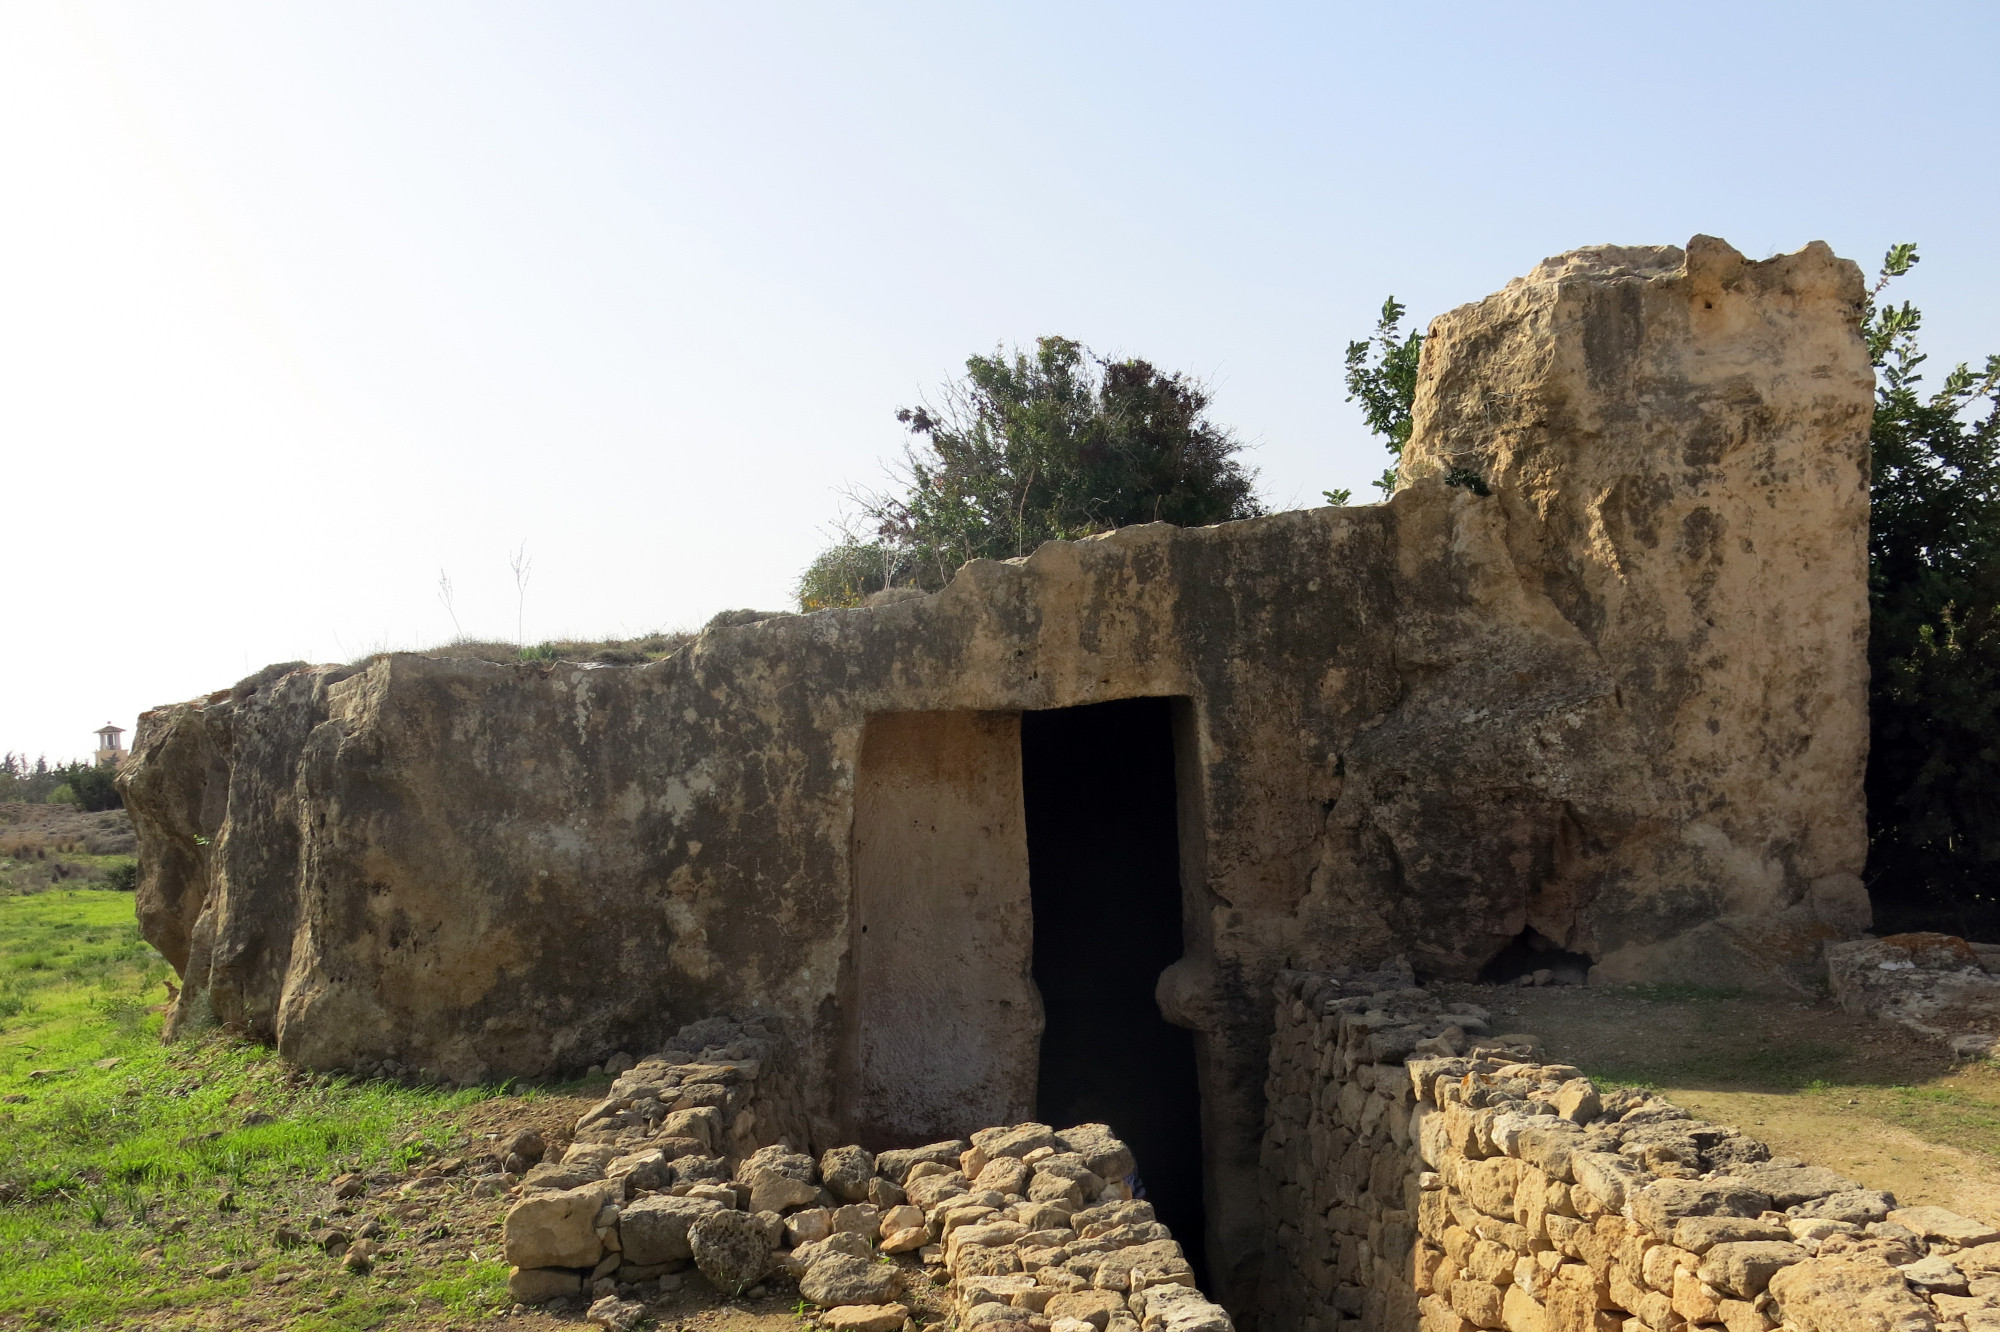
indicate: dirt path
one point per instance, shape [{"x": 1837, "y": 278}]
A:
[{"x": 1866, "y": 1098}]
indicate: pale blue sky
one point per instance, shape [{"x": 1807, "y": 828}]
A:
[{"x": 301, "y": 303}]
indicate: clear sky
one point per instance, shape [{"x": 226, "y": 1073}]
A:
[{"x": 301, "y": 304}]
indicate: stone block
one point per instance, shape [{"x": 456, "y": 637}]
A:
[
  {"x": 538, "y": 1285},
  {"x": 1490, "y": 1184},
  {"x": 1577, "y": 1101},
  {"x": 1439, "y": 1316},
  {"x": 1744, "y": 1316},
  {"x": 1092, "y": 1306},
  {"x": 1522, "y": 1312},
  {"x": 846, "y": 1171},
  {"x": 1791, "y": 1185},
  {"x": 841, "y": 1279},
  {"x": 1699, "y": 1234},
  {"x": 1605, "y": 1177},
  {"x": 1479, "y": 1303},
  {"x": 1938, "y": 1223},
  {"x": 863, "y": 1219},
  {"x": 557, "y": 1228},
  {"x": 1842, "y": 1294},
  {"x": 1694, "y": 1299},
  {"x": 1854, "y": 1206},
  {"x": 1662, "y": 1203},
  {"x": 732, "y": 1249},
  {"x": 655, "y": 1230},
  {"x": 864, "y": 1318},
  {"x": 1744, "y": 1268}
]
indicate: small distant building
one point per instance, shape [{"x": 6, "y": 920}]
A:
[{"x": 110, "y": 746}]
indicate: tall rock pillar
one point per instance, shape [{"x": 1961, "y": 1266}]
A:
[{"x": 1680, "y": 440}]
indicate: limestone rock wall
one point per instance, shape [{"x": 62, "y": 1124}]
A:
[
  {"x": 1615, "y": 699},
  {"x": 1672, "y": 434},
  {"x": 1419, "y": 1171}
]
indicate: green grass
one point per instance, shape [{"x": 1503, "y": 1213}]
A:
[
  {"x": 1954, "y": 1116},
  {"x": 128, "y": 1170},
  {"x": 1800, "y": 1066}
]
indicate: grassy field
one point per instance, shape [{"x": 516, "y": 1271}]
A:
[{"x": 144, "y": 1185}]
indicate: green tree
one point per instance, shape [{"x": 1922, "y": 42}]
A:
[
  {"x": 92, "y": 786},
  {"x": 30, "y": 782},
  {"x": 1934, "y": 639},
  {"x": 1027, "y": 448},
  {"x": 1382, "y": 377}
]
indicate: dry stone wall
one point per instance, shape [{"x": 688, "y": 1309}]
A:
[
  {"x": 1026, "y": 1228},
  {"x": 1420, "y": 1171}
]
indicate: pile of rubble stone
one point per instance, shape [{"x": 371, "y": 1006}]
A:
[{"x": 1022, "y": 1225}]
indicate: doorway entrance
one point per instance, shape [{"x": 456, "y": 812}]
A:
[{"x": 1104, "y": 878}]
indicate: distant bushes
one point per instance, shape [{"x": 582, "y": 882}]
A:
[{"x": 85, "y": 785}]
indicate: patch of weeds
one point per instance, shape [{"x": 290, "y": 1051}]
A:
[
  {"x": 1950, "y": 1116},
  {"x": 1792, "y": 1067},
  {"x": 129, "y": 1161},
  {"x": 477, "y": 1285}
]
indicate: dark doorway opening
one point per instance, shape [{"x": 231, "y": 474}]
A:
[
  {"x": 1104, "y": 874},
  {"x": 1532, "y": 953}
]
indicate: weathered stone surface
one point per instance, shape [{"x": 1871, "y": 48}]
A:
[
  {"x": 1935, "y": 1275},
  {"x": 1663, "y": 1202},
  {"x": 779, "y": 1179},
  {"x": 846, "y": 1171},
  {"x": 560, "y": 1175},
  {"x": 1790, "y": 1185},
  {"x": 1981, "y": 1258},
  {"x": 1479, "y": 1303},
  {"x": 1091, "y": 1306},
  {"x": 1618, "y": 699},
  {"x": 615, "y": 1315},
  {"x": 1857, "y": 1206},
  {"x": 1917, "y": 978},
  {"x": 1699, "y": 1234},
  {"x": 732, "y": 1249},
  {"x": 899, "y": 1218},
  {"x": 808, "y": 1224},
  {"x": 556, "y": 1229},
  {"x": 1849, "y": 1295},
  {"x": 641, "y": 1170},
  {"x": 906, "y": 1240},
  {"x": 896, "y": 1164},
  {"x": 1744, "y": 1268},
  {"x": 1006, "y": 1174},
  {"x": 840, "y": 1278},
  {"x": 1606, "y": 1176},
  {"x": 1940, "y": 1223},
  {"x": 1103, "y": 1153},
  {"x": 655, "y": 1230},
  {"x": 1018, "y": 1140},
  {"x": 864, "y": 1318},
  {"x": 864, "y": 1219},
  {"x": 538, "y": 1285}
]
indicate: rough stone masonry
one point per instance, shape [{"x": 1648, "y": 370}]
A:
[
  {"x": 1593, "y": 680},
  {"x": 1420, "y": 1171},
  {"x": 686, "y": 1163}
]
